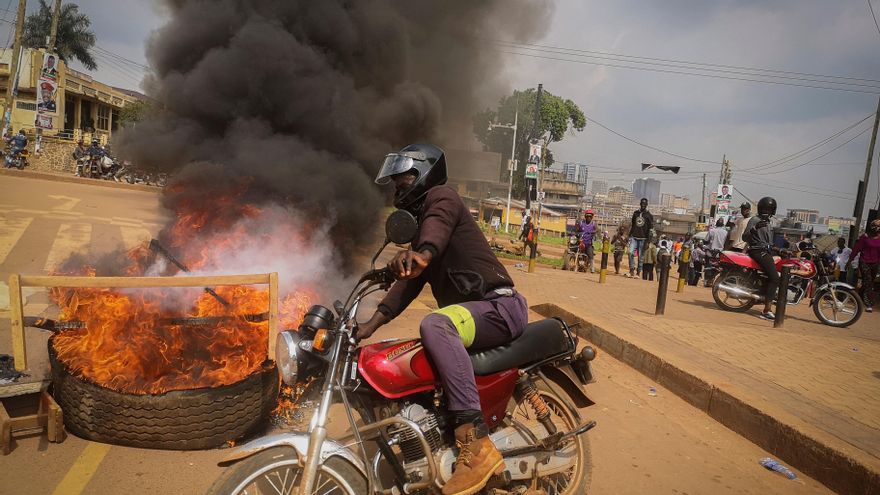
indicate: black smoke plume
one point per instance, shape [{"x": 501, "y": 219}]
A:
[{"x": 305, "y": 97}]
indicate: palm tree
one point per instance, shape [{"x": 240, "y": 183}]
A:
[{"x": 74, "y": 39}]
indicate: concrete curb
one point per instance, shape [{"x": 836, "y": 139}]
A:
[
  {"x": 78, "y": 180},
  {"x": 824, "y": 463}
]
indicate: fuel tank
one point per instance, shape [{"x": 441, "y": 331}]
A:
[{"x": 400, "y": 368}]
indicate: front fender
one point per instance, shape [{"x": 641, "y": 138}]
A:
[
  {"x": 837, "y": 285},
  {"x": 300, "y": 443}
]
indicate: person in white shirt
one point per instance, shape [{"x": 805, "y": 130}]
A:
[
  {"x": 840, "y": 257},
  {"x": 736, "y": 235},
  {"x": 717, "y": 236}
]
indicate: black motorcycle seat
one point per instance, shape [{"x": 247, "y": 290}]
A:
[{"x": 538, "y": 341}]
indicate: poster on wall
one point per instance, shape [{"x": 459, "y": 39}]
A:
[
  {"x": 722, "y": 202},
  {"x": 49, "y": 70},
  {"x": 43, "y": 121},
  {"x": 46, "y": 103},
  {"x": 535, "y": 154}
]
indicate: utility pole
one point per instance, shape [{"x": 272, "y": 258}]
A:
[
  {"x": 11, "y": 85},
  {"x": 863, "y": 189},
  {"x": 50, "y": 46},
  {"x": 533, "y": 254},
  {"x": 703, "y": 201},
  {"x": 511, "y": 165}
]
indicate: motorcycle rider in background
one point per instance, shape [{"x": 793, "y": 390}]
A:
[
  {"x": 759, "y": 238},
  {"x": 479, "y": 308},
  {"x": 586, "y": 229},
  {"x": 79, "y": 154},
  {"x": 17, "y": 143}
]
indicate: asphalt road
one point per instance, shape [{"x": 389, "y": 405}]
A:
[{"x": 643, "y": 443}]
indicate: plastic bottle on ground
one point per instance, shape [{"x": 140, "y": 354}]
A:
[{"x": 774, "y": 465}]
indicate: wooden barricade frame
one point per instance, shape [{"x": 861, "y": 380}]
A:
[{"x": 17, "y": 281}]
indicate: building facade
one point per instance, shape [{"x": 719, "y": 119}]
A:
[
  {"x": 599, "y": 186},
  {"x": 577, "y": 172},
  {"x": 84, "y": 106},
  {"x": 804, "y": 216},
  {"x": 621, "y": 195}
]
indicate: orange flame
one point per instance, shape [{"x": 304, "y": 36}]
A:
[{"x": 134, "y": 341}]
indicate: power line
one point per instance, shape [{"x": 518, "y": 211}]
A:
[
  {"x": 832, "y": 150},
  {"x": 674, "y": 61},
  {"x": 121, "y": 58},
  {"x": 665, "y": 71},
  {"x": 874, "y": 16},
  {"x": 647, "y": 145},
  {"x": 776, "y": 186},
  {"x": 793, "y": 156},
  {"x": 692, "y": 66}
]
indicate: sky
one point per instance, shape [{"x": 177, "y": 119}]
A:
[{"x": 702, "y": 118}]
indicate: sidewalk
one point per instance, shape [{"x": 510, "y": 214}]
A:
[{"x": 806, "y": 392}]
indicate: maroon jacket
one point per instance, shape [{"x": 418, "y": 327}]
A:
[{"x": 463, "y": 267}]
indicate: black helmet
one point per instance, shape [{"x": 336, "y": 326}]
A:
[
  {"x": 95, "y": 141},
  {"x": 745, "y": 206},
  {"x": 767, "y": 206},
  {"x": 427, "y": 161}
]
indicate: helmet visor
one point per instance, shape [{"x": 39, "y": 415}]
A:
[{"x": 396, "y": 163}]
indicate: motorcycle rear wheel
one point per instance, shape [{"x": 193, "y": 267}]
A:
[
  {"x": 848, "y": 303},
  {"x": 278, "y": 470},
  {"x": 726, "y": 301},
  {"x": 576, "y": 479}
]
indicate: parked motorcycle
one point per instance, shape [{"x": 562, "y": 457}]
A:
[
  {"x": 529, "y": 391},
  {"x": 140, "y": 176},
  {"x": 711, "y": 267},
  {"x": 741, "y": 285},
  {"x": 16, "y": 159},
  {"x": 575, "y": 257}
]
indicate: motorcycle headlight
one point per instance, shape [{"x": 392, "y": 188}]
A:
[{"x": 287, "y": 356}]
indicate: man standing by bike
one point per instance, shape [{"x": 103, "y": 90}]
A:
[
  {"x": 586, "y": 229},
  {"x": 79, "y": 154},
  {"x": 739, "y": 228},
  {"x": 642, "y": 223},
  {"x": 479, "y": 308},
  {"x": 759, "y": 238}
]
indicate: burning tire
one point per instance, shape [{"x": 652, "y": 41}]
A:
[{"x": 178, "y": 420}]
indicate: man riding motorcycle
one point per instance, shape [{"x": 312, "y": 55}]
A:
[
  {"x": 17, "y": 142},
  {"x": 479, "y": 308},
  {"x": 586, "y": 228},
  {"x": 79, "y": 154},
  {"x": 759, "y": 238}
]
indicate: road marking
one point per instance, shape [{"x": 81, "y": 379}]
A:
[
  {"x": 133, "y": 236},
  {"x": 71, "y": 238},
  {"x": 82, "y": 470},
  {"x": 69, "y": 202},
  {"x": 11, "y": 230}
]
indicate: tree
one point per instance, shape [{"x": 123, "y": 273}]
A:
[
  {"x": 558, "y": 117},
  {"x": 73, "y": 40},
  {"x": 134, "y": 112}
]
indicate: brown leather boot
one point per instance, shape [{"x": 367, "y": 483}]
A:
[{"x": 478, "y": 460}]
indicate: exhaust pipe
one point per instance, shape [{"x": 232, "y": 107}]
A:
[{"x": 739, "y": 292}]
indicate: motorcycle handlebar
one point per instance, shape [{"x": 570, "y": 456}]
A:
[{"x": 381, "y": 275}]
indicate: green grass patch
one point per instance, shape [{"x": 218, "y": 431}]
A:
[{"x": 543, "y": 260}]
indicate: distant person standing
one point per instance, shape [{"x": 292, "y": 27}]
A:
[
  {"x": 619, "y": 242},
  {"x": 695, "y": 265},
  {"x": 717, "y": 236},
  {"x": 867, "y": 248},
  {"x": 650, "y": 260},
  {"x": 840, "y": 257},
  {"x": 739, "y": 227},
  {"x": 527, "y": 236},
  {"x": 642, "y": 223}
]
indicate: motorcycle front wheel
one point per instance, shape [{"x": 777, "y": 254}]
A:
[
  {"x": 840, "y": 308},
  {"x": 566, "y": 261},
  {"x": 278, "y": 471},
  {"x": 573, "y": 480},
  {"x": 729, "y": 302}
]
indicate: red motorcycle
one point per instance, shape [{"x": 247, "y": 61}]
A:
[
  {"x": 742, "y": 283},
  {"x": 529, "y": 389}
]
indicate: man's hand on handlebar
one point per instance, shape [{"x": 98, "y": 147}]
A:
[
  {"x": 368, "y": 328},
  {"x": 409, "y": 264}
]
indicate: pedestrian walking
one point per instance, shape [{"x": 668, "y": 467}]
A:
[
  {"x": 717, "y": 236},
  {"x": 527, "y": 236},
  {"x": 840, "y": 257},
  {"x": 619, "y": 242},
  {"x": 642, "y": 223},
  {"x": 867, "y": 248},
  {"x": 695, "y": 266}
]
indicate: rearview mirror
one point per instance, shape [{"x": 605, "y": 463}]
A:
[{"x": 401, "y": 227}]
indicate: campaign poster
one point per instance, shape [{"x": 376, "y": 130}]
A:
[
  {"x": 43, "y": 121},
  {"x": 535, "y": 154},
  {"x": 724, "y": 192},
  {"x": 46, "y": 97},
  {"x": 49, "y": 70}
]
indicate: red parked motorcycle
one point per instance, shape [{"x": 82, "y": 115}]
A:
[
  {"x": 741, "y": 284},
  {"x": 529, "y": 389}
]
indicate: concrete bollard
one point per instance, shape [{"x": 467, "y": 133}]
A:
[
  {"x": 683, "y": 269},
  {"x": 782, "y": 296},
  {"x": 665, "y": 259},
  {"x": 603, "y": 268}
]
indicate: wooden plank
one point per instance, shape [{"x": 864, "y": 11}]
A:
[
  {"x": 19, "y": 346},
  {"x": 28, "y": 422},
  {"x": 54, "y": 418},
  {"x": 142, "y": 282},
  {"x": 5, "y": 431},
  {"x": 273, "y": 312}
]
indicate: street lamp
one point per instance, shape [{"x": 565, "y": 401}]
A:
[{"x": 511, "y": 165}]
